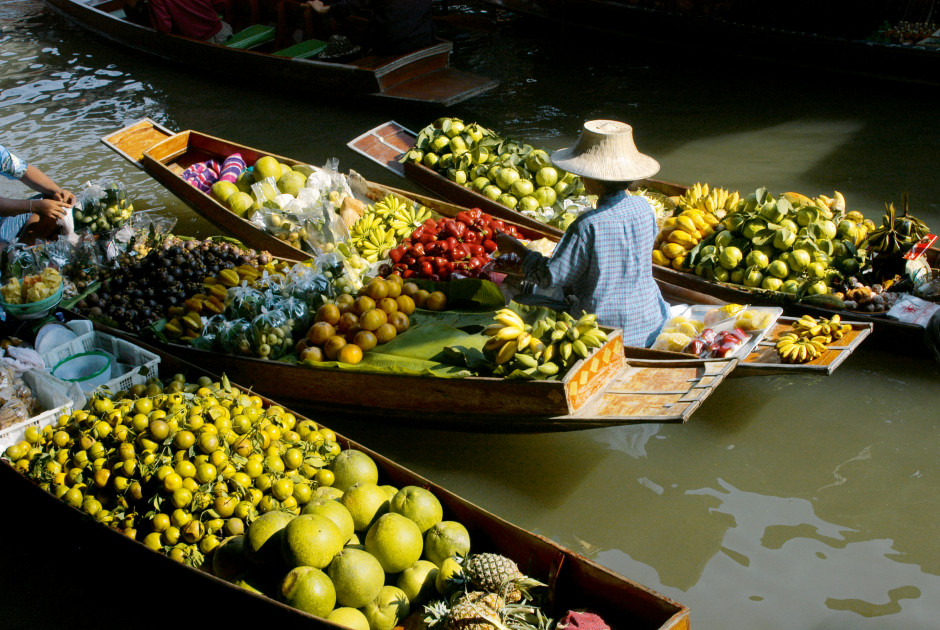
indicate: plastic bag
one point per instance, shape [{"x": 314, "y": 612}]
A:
[
  {"x": 235, "y": 337},
  {"x": 297, "y": 313},
  {"x": 13, "y": 411},
  {"x": 244, "y": 302},
  {"x": 102, "y": 207},
  {"x": 913, "y": 310},
  {"x": 271, "y": 335}
]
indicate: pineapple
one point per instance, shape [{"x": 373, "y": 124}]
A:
[
  {"x": 476, "y": 611},
  {"x": 491, "y": 571}
]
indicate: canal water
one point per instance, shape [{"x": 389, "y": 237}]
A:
[{"x": 785, "y": 502}]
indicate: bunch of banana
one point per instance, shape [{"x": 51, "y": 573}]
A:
[
  {"x": 405, "y": 218},
  {"x": 715, "y": 201},
  {"x": 795, "y": 349},
  {"x": 896, "y": 234},
  {"x": 699, "y": 212},
  {"x": 544, "y": 349},
  {"x": 823, "y": 330}
]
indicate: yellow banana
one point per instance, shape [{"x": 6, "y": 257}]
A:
[
  {"x": 512, "y": 315},
  {"x": 522, "y": 341},
  {"x": 508, "y": 332},
  {"x": 493, "y": 344},
  {"x": 492, "y": 329},
  {"x": 507, "y": 320},
  {"x": 551, "y": 350},
  {"x": 507, "y": 352},
  {"x": 580, "y": 349}
]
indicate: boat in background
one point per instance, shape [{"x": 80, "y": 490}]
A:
[
  {"x": 263, "y": 49},
  {"x": 831, "y": 36},
  {"x": 387, "y": 143}
]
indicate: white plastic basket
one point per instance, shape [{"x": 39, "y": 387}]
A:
[
  {"x": 51, "y": 395},
  {"x": 133, "y": 365}
]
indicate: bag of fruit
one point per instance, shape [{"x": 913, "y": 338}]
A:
[{"x": 271, "y": 335}]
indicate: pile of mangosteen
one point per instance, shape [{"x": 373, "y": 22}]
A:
[{"x": 138, "y": 292}]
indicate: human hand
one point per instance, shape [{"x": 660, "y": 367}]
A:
[
  {"x": 319, "y": 7},
  {"x": 506, "y": 244},
  {"x": 50, "y": 208},
  {"x": 64, "y": 196}
]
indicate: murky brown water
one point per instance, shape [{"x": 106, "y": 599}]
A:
[{"x": 786, "y": 502}]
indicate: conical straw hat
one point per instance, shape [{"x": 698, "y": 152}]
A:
[{"x": 605, "y": 151}]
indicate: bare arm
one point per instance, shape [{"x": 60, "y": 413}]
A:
[{"x": 40, "y": 182}]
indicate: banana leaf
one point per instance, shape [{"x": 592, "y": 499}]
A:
[{"x": 467, "y": 293}]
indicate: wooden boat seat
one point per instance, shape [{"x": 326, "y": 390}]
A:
[
  {"x": 251, "y": 37},
  {"x": 303, "y": 50}
]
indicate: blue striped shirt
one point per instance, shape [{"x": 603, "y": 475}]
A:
[
  {"x": 10, "y": 165},
  {"x": 604, "y": 260}
]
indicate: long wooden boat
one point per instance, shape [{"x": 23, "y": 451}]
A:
[
  {"x": 419, "y": 76},
  {"x": 602, "y": 390},
  {"x": 62, "y": 539},
  {"x": 387, "y": 143},
  {"x": 165, "y": 154},
  {"x": 775, "y": 32}
]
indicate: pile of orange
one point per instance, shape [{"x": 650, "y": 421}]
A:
[{"x": 352, "y": 325}]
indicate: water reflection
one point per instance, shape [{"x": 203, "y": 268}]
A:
[{"x": 786, "y": 502}]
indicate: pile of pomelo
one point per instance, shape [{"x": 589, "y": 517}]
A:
[{"x": 362, "y": 554}]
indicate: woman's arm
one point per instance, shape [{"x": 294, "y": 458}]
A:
[{"x": 40, "y": 182}]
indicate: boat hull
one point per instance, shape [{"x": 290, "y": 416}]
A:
[
  {"x": 65, "y": 543},
  {"x": 421, "y": 76}
]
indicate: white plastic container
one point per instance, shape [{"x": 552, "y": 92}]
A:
[{"x": 51, "y": 395}]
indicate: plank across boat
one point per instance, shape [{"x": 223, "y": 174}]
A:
[
  {"x": 380, "y": 145},
  {"x": 63, "y": 540},
  {"x": 418, "y": 76},
  {"x": 599, "y": 391}
]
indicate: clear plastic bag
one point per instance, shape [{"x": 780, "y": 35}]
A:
[
  {"x": 244, "y": 302},
  {"x": 297, "y": 313},
  {"x": 235, "y": 337},
  {"x": 271, "y": 335}
]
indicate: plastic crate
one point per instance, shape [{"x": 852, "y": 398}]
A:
[
  {"x": 51, "y": 395},
  {"x": 133, "y": 364}
]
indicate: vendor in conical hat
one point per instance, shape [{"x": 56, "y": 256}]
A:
[{"x": 603, "y": 263}]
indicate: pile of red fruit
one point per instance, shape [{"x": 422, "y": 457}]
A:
[
  {"x": 717, "y": 344},
  {"x": 458, "y": 247}
]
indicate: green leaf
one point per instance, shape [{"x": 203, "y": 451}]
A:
[{"x": 763, "y": 237}]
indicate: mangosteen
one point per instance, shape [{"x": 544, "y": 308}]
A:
[
  {"x": 95, "y": 311},
  {"x": 117, "y": 312}
]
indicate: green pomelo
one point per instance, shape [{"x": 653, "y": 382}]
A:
[
  {"x": 390, "y": 491},
  {"x": 357, "y": 577},
  {"x": 327, "y": 492},
  {"x": 310, "y": 590},
  {"x": 351, "y": 467},
  {"x": 418, "y": 581},
  {"x": 285, "y": 169},
  {"x": 528, "y": 203},
  {"x": 222, "y": 190},
  {"x": 365, "y": 502},
  {"x": 335, "y": 511},
  {"x": 545, "y": 195},
  {"x": 507, "y": 200},
  {"x": 418, "y": 504},
  {"x": 547, "y": 176},
  {"x": 395, "y": 541},
  {"x": 388, "y": 609},
  {"x": 444, "y": 540},
  {"x": 311, "y": 540},
  {"x": 349, "y": 618},
  {"x": 521, "y": 188},
  {"x": 240, "y": 203},
  {"x": 267, "y": 166},
  {"x": 493, "y": 192},
  {"x": 228, "y": 559},
  {"x": 244, "y": 181},
  {"x": 263, "y": 539},
  {"x": 291, "y": 183}
]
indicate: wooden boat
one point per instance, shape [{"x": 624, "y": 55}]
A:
[
  {"x": 602, "y": 390},
  {"x": 420, "y": 76},
  {"x": 775, "y": 32},
  {"x": 164, "y": 155},
  {"x": 63, "y": 538},
  {"x": 387, "y": 143}
]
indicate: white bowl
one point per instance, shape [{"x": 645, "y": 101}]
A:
[
  {"x": 51, "y": 336},
  {"x": 88, "y": 369}
]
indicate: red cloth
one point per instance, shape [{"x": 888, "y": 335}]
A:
[
  {"x": 580, "y": 620},
  {"x": 197, "y": 19}
]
